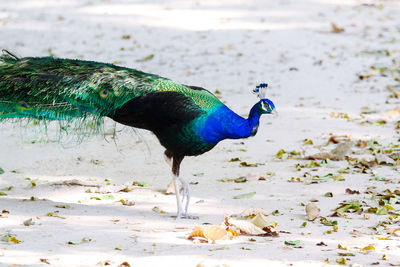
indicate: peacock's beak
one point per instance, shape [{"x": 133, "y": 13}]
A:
[{"x": 274, "y": 113}]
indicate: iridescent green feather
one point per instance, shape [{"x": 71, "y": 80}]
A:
[{"x": 64, "y": 89}]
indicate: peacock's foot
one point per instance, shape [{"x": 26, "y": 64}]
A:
[{"x": 186, "y": 216}]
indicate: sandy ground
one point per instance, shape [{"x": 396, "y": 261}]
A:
[{"x": 314, "y": 77}]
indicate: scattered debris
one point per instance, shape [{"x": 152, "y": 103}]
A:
[{"x": 312, "y": 211}]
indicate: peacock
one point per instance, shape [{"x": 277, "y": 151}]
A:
[{"x": 187, "y": 120}]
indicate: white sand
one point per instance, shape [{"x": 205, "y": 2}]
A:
[{"x": 226, "y": 45}]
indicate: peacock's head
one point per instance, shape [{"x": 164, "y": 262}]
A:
[{"x": 265, "y": 105}]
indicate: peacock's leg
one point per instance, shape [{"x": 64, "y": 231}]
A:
[
  {"x": 186, "y": 193},
  {"x": 168, "y": 157},
  {"x": 182, "y": 190},
  {"x": 175, "y": 172},
  {"x": 178, "y": 197},
  {"x": 171, "y": 186}
]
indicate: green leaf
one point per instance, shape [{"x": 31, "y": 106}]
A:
[
  {"x": 275, "y": 212},
  {"x": 240, "y": 180},
  {"x": 1, "y": 171},
  {"x": 3, "y": 194},
  {"x": 328, "y": 194},
  {"x": 338, "y": 178},
  {"x": 104, "y": 197},
  {"x": 247, "y": 195},
  {"x": 292, "y": 243},
  {"x": 381, "y": 211},
  {"x": 141, "y": 184},
  {"x": 7, "y": 188},
  {"x": 327, "y": 222}
]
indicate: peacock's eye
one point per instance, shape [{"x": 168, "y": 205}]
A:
[
  {"x": 266, "y": 106},
  {"x": 22, "y": 104},
  {"x": 104, "y": 93}
]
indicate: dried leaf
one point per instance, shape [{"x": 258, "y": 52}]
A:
[
  {"x": 341, "y": 261},
  {"x": 147, "y": 58},
  {"x": 308, "y": 142},
  {"x": 352, "y": 192},
  {"x": 54, "y": 214},
  {"x": 245, "y": 164},
  {"x": 157, "y": 209},
  {"x": 64, "y": 206},
  {"x": 250, "y": 212},
  {"x": 83, "y": 240},
  {"x": 127, "y": 202},
  {"x": 28, "y": 222},
  {"x": 368, "y": 248},
  {"x": 384, "y": 159},
  {"x": 45, "y": 261},
  {"x": 346, "y": 254},
  {"x": 10, "y": 239},
  {"x": 260, "y": 221},
  {"x": 338, "y": 153},
  {"x": 312, "y": 211},
  {"x": 209, "y": 233},
  {"x": 336, "y": 29},
  {"x": 245, "y": 227}
]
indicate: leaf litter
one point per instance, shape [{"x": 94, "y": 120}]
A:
[{"x": 254, "y": 223}]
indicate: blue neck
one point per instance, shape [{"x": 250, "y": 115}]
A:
[{"x": 223, "y": 123}]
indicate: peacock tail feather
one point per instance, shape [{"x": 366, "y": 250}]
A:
[{"x": 63, "y": 89}]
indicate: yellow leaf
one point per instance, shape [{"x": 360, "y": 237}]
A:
[
  {"x": 368, "y": 248},
  {"x": 384, "y": 238},
  {"x": 13, "y": 240}
]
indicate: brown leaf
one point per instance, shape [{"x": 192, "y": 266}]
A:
[
  {"x": 338, "y": 139},
  {"x": 336, "y": 29},
  {"x": 45, "y": 261},
  {"x": 362, "y": 144},
  {"x": 124, "y": 264},
  {"x": 127, "y": 202},
  {"x": 321, "y": 244},
  {"x": 352, "y": 192}
]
